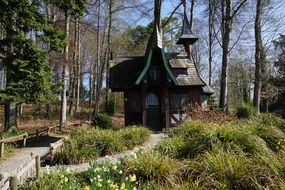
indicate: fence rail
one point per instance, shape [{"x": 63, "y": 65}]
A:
[{"x": 30, "y": 167}]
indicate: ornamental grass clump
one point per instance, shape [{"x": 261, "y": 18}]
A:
[
  {"x": 154, "y": 167},
  {"x": 226, "y": 170},
  {"x": 85, "y": 144},
  {"x": 134, "y": 135},
  {"x": 241, "y": 154}
]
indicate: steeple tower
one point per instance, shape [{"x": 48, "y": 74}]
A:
[
  {"x": 187, "y": 38},
  {"x": 155, "y": 41}
]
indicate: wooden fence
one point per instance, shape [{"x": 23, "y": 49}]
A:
[
  {"x": 30, "y": 167},
  {"x": 17, "y": 176}
]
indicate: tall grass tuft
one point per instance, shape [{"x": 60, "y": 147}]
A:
[
  {"x": 153, "y": 166},
  {"x": 86, "y": 144}
]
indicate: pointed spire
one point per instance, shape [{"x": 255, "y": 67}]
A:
[
  {"x": 187, "y": 37},
  {"x": 155, "y": 41}
]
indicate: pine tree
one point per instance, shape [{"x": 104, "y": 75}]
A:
[{"x": 28, "y": 74}]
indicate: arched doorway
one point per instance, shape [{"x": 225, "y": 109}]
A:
[{"x": 153, "y": 111}]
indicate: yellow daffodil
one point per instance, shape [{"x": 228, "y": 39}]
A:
[
  {"x": 86, "y": 188},
  {"x": 133, "y": 178},
  {"x": 123, "y": 186},
  {"x": 115, "y": 167},
  {"x": 113, "y": 186}
]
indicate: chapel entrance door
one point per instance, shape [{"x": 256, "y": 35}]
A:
[{"x": 153, "y": 111}]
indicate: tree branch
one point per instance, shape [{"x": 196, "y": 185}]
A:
[
  {"x": 238, "y": 7},
  {"x": 166, "y": 22},
  {"x": 239, "y": 35}
]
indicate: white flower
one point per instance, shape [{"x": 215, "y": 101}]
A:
[{"x": 47, "y": 169}]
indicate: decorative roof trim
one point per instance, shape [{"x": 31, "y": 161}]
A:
[
  {"x": 146, "y": 67},
  {"x": 166, "y": 66},
  {"x": 169, "y": 72}
]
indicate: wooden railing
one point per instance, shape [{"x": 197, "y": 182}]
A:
[{"x": 16, "y": 138}]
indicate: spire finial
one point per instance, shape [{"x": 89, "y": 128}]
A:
[{"x": 187, "y": 38}]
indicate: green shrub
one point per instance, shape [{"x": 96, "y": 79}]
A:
[
  {"x": 245, "y": 111},
  {"x": 103, "y": 121}
]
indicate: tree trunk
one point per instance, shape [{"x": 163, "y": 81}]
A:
[
  {"x": 258, "y": 46},
  {"x": 108, "y": 52},
  {"x": 10, "y": 108},
  {"x": 63, "y": 119},
  {"x": 74, "y": 76},
  {"x": 97, "y": 66},
  {"x": 192, "y": 13},
  {"x": 226, "y": 29},
  {"x": 211, "y": 26},
  {"x": 48, "y": 110},
  {"x": 78, "y": 74},
  {"x": 90, "y": 93}
]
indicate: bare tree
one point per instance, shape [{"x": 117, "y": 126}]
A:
[
  {"x": 227, "y": 15},
  {"x": 258, "y": 58}
]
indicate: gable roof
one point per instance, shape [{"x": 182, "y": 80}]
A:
[
  {"x": 125, "y": 72},
  {"x": 165, "y": 65}
]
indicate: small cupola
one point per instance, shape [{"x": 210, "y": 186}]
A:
[{"x": 187, "y": 38}]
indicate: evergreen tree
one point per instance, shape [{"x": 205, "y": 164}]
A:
[{"x": 28, "y": 74}]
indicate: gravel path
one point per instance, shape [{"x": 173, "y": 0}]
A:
[{"x": 151, "y": 143}]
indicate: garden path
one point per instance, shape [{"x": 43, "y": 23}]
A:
[
  {"x": 24, "y": 155},
  {"x": 150, "y": 144}
]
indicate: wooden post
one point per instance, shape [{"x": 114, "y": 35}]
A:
[
  {"x": 143, "y": 93},
  {"x": 166, "y": 104},
  {"x": 1, "y": 149},
  {"x": 51, "y": 150},
  {"x": 38, "y": 166},
  {"x": 37, "y": 134},
  {"x": 24, "y": 141},
  {"x": 13, "y": 183}
]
